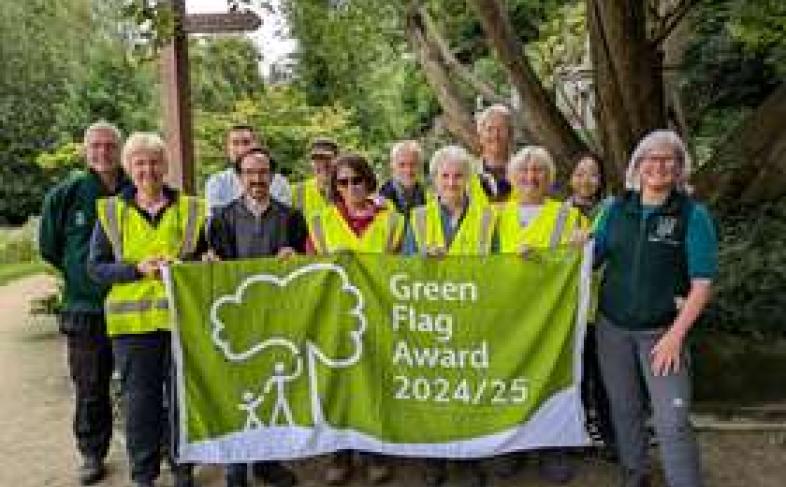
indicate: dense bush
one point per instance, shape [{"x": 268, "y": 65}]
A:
[{"x": 750, "y": 291}]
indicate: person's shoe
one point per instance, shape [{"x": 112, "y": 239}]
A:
[
  {"x": 184, "y": 476},
  {"x": 274, "y": 474},
  {"x": 236, "y": 475},
  {"x": 435, "y": 473},
  {"x": 378, "y": 474},
  {"x": 556, "y": 468},
  {"x": 91, "y": 471},
  {"x": 634, "y": 478}
]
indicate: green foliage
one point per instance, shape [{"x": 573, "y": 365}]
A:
[
  {"x": 735, "y": 59},
  {"x": 761, "y": 27},
  {"x": 224, "y": 70},
  {"x": 355, "y": 54},
  {"x": 750, "y": 290},
  {"x": 62, "y": 66},
  {"x": 19, "y": 244},
  {"x": 286, "y": 121},
  {"x": 561, "y": 42}
]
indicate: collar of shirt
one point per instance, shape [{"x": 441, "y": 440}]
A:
[
  {"x": 256, "y": 208},
  {"x": 128, "y": 194},
  {"x": 447, "y": 215},
  {"x": 528, "y": 213}
]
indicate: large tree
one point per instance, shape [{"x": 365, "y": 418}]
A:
[{"x": 628, "y": 42}]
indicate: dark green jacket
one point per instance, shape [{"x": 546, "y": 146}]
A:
[
  {"x": 646, "y": 262},
  {"x": 67, "y": 220}
]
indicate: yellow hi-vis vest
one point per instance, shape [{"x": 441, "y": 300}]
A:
[
  {"x": 551, "y": 227},
  {"x": 472, "y": 238},
  {"x": 307, "y": 198},
  {"x": 330, "y": 232},
  {"x": 141, "y": 306}
]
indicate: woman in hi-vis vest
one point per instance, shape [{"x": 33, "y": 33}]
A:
[
  {"x": 143, "y": 228},
  {"x": 452, "y": 223},
  {"x": 355, "y": 222},
  {"x": 532, "y": 220}
]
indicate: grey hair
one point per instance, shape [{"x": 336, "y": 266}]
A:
[
  {"x": 450, "y": 153},
  {"x": 102, "y": 125},
  {"x": 404, "y": 145},
  {"x": 658, "y": 139},
  {"x": 495, "y": 109},
  {"x": 537, "y": 154},
  {"x": 144, "y": 141}
]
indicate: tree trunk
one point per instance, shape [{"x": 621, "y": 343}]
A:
[
  {"x": 749, "y": 166},
  {"x": 458, "y": 116},
  {"x": 628, "y": 79},
  {"x": 542, "y": 119}
]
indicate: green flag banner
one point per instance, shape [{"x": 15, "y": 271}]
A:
[{"x": 455, "y": 357}]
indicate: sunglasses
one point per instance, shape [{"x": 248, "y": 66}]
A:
[{"x": 354, "y": 181}]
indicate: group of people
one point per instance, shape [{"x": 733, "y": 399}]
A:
[{"x": 112, "y": 229}]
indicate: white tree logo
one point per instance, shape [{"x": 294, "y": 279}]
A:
[{"x": 276, "y": 384}]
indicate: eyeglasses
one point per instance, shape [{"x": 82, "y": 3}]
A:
[{"x": 354, "y": 181}]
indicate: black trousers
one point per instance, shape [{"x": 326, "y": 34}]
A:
[
  {"x": 593, "y": 390},
  {"x": 145, "y": 363},
  {"x": 90, "y": 365}
]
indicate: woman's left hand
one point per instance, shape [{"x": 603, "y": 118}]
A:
[{"x": 666, "y": 354}]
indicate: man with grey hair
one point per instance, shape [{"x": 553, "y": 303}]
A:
[
  {"x": 403, "y": 188},
  {"x": 67, "y": 220},
  {"x": 495, "y": 134}
]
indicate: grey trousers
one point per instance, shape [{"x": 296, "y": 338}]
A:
[{"x": 624, "y": 359}]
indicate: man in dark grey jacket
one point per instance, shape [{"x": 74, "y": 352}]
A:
[
  {"x": 67, "y": 219},
  {"x": 256, "y": 225}
]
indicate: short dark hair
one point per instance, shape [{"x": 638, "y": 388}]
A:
[
  {"x": 241, "y": 126},
  {"x": 357, "y": 163},
  {"x": 601, "y": 169},
  {"x": 244, "y": 127},
  {"x": 254, "y": 150}
]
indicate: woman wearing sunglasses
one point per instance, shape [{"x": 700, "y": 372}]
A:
[{"x": 354, "y": 222}]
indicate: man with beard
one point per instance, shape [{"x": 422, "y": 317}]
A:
[
  {"x": 256, "y": 225},
  {"x": 223, "y": 187}
]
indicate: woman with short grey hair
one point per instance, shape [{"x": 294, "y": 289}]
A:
[
  {"x": 660, "y": 253},
  {"x": 659, "y": 139}
]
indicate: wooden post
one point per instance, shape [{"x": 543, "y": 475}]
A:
[
  {"x": 176, "y": 86},
  {"x": 176, "y": 102}
]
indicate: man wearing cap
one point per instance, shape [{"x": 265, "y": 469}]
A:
[
  {"x": 224, "y": 187},
  {"x": 312, "y": 195}
]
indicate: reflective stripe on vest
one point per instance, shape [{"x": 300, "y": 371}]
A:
[
  {"x": 112, "y": 229},
  {"x": 191, "y": 232},
  {"x": 120, "y": 307},
  {"x": 547, "y": 230},
  {"x": 330, "y": 232},
  {"x": 477, "y": 222},
  {"x": 559, "y": 224},
  {"x": 141, "y": 306},
  {"x": 318, "y": 234}
]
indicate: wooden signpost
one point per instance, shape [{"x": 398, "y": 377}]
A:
[{"x": 176, "y": 93}]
